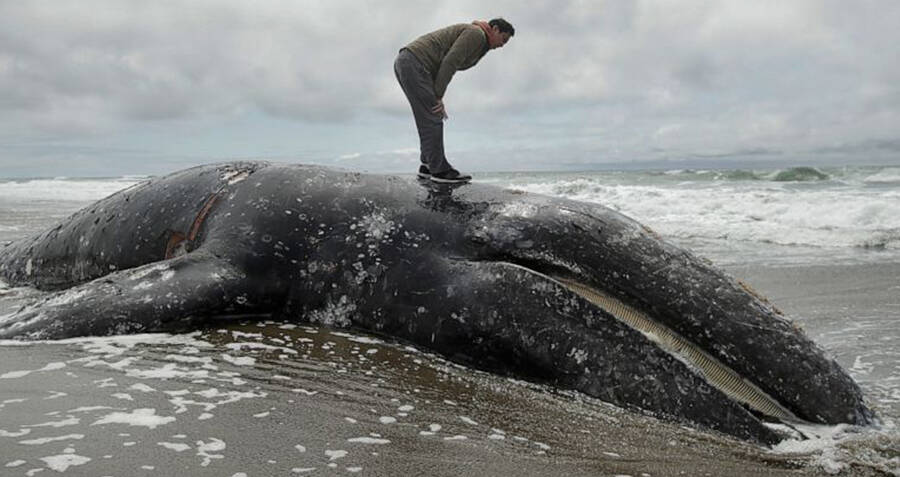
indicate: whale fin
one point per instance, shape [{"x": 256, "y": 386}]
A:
[{"x": 170, "y": 295}]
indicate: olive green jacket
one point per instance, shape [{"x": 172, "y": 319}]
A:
[{"x": 448, "y": 50}]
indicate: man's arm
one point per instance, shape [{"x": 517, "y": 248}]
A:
[{"x": 469, "y": 43}]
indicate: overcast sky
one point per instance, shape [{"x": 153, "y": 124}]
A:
[{"x": 97, "y": 88}]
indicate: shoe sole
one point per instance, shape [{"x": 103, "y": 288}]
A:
[
  {"x": 423, "y": 176},
  {"x": 449, "y": 181}
]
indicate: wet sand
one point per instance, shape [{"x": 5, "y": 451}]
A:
[
  {"x": 853, "y": 311},
  {"x": 480, "y": 424}
]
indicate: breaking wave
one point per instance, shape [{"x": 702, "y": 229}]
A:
[{"x": 796, "y": 207}]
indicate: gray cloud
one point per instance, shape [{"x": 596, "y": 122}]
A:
[{"x": 621, "y": 80}]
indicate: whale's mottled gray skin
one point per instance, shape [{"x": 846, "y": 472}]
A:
[{"x": 462, "y": 271}]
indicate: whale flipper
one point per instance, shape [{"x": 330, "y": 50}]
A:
[{"x": 169, "y": 295}]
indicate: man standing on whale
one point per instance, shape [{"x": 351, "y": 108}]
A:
[{"x": 424, "y": 69}]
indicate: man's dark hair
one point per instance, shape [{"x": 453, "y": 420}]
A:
[{"x": 503, "y": 25}]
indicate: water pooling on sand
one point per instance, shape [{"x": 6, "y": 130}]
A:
[{"x": 288, "y": 400}]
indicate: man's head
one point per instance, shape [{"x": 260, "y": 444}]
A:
[{"x": 504, "y": 29}]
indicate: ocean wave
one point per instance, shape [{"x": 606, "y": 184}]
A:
[
  {"x": 576, "y": 187},
  {"x": 883, "y": 240},
  {"x": 793, "y": 174},
  {"x": 835, "y": 449},
  {"x": 884, "y": 176},
  {"x": 853, "y": 175},
  {"x": 800, "y": 174},
  {"x": 714, "y": 175},
  {"x": 829, "y": 217},
  {"x": 738, "y": 175}
]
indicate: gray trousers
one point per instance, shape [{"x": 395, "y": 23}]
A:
[{"x": 419, "y": 90}]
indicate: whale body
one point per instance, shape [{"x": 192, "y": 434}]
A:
[{"x": 567, "y": 293}]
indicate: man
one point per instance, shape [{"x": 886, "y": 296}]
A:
[{"x": 425, "y": 67}]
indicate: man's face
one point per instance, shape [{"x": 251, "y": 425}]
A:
[{"x": 504, "y": 37}]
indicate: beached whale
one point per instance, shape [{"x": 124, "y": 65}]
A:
[{"x": 553, "y": 290}]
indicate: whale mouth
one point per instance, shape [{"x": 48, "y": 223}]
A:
[
  {"x": 716, "y": 373},
  {"x": 712, "y": 370}
]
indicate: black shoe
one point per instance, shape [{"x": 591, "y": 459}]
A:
[
  {"x": 424, "y": 173},
  {"x": 451, "y": 176}
]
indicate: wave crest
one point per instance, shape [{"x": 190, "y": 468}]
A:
[{"x": 800, "y": 174}]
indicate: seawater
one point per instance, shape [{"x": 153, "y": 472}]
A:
[{"x": 788, "y": 216}]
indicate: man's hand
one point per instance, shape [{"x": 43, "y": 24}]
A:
[{"x": 439, "y": 108}]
